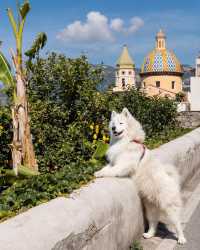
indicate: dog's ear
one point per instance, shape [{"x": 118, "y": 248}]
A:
[
  {"x": 125, "y": 112},
  {"x": 113, "y": 114}
]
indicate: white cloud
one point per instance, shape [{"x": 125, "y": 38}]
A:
[
  {"x": 98, "y": 28},
  {"x": 117, "y": 24},
  {"x": 136, "y": 24},
  {"x": 95, "y": 28}
]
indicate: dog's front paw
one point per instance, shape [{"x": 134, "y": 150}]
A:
[
  {"x": 148, "y": 235},
  {"x": 182, "y": 240}
]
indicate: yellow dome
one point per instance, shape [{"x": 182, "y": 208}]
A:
[{"x": 161, "y": 60}]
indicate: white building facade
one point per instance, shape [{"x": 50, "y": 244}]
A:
[
  {"x": 194, "y": 97},
  {"x": 125, "y": 72}
]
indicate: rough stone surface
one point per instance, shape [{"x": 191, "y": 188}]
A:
[
  {"x": 183, "y": 152},
  {"x": 105, "y": 215},
  {"x": 189, "y": 119}
]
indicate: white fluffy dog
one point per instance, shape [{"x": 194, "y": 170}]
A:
[{"x": 158, "y": 184}]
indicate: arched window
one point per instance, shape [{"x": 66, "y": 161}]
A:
[
  {"x": 123, "y": 72},
  {"x": 123, "y": 83},
  {"x": 173, "y": 84},
  {"x": 130, "y": 72}
]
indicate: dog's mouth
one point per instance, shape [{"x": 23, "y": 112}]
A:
[{"x": 118, "y": 133}]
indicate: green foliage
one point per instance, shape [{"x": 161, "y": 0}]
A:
[
  {"x": 101, "y": 150},
  {"x": 63, "y": 98},
  {"x": 31, "y": 192},
  {"x": 18, "y": 26},
  {"x": 180, "y": 97},
  {"x": 5, "y": 136},
  {"x": 24, "y": 9},
  {"x": 155, "y": 114},
  {"x": 37, "y": 45},
  {"x": 64, "y": 102},
  {"x": 136, "y": 246},
  {"x": 5, "y": 72}
]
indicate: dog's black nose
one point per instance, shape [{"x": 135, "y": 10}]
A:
[{"x": 113, "y": 128}]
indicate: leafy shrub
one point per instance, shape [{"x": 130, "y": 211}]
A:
[
  {"x": 5, "y": 136},
  {"x": 31, "y": 192},
  {"x": 155, "y": 114},
  {"x": 64, "y": 103}
]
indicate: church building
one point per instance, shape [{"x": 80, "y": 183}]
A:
[
  {"x": 125, "y": 72},
  {"x": 161, "y": 71}
]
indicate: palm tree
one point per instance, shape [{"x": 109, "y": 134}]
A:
[{"x": 21, "y": 146}]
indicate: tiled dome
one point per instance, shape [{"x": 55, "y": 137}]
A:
[{"x": 161, "y": 61}]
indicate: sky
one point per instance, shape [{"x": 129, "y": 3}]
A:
[{"x": 99, "y": 28}]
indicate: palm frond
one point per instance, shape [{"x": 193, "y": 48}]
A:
[
  {"x": 38, "y": 44},
  {"x": 5, "y": 72}
]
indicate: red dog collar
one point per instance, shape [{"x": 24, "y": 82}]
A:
[{"x": 143, "y": 147}]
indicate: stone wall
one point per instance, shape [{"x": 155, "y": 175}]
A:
[
  {"x": 189, "y": 119},
  {"x": 104, "y": 215}
]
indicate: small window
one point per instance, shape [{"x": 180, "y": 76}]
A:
[
  {"x": 130, "y": 72},
  {"x": 173, "y": 84},
  {"x": 158, "y": 84},
  {"x": 144, "y": 84},
  {"x": 123, "y": 83},
  {"x": 123, "y": 72}
]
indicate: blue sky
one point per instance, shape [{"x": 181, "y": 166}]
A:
[{"x": 100, "y": 28}]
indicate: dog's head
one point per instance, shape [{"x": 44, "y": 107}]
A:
[{"x": 125, "y": 125}]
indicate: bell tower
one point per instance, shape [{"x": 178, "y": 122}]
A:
[
  {"x": 125, "y": 72},
  {"x": 160, "y": 40}
]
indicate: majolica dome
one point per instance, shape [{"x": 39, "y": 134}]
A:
[{"x": 161, "y": 60}]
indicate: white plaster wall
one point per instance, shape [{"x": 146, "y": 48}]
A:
[{"x": 195, "y": 93}]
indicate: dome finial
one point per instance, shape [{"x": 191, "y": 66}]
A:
[{"x": 160, "y": 34}]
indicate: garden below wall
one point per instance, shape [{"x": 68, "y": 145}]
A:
[{"x": 106, "y": 214}]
